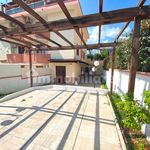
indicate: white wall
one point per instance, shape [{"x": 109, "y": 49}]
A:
[
  {"x": 15, "y": 77},
  {"x": 121, "y": 83}
]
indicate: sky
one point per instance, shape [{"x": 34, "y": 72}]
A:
[{"x": 108, "y": 32}]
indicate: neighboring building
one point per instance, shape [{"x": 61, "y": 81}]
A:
[{"x": 63, "y": 63}]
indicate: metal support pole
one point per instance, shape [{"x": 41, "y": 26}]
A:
[
  {"x": 112, "y": 69},
  {"x": 94, "y": 79},
  {"x": 30, "y": 68}
]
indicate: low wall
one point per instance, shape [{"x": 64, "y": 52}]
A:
[
  {"x": 121, "y": 78},
  {"x": 15, "y": 77},
  {"x": 120, "y": 86}
]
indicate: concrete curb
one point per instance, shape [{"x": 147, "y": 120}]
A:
[
  {"x": 16, "y": 94},
  {"x": 118, "y": 127},
  {"x": 58, "y": 87}
]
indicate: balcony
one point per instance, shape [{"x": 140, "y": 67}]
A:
[
  {"x": 12, "y": 9},
  {"x": 18, "y": 9},
  {"x": 24, "y": 58}
]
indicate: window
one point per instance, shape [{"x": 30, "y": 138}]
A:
[
  {"x": 22, "y": 66},
  {"x": 21, "y": 50},
  {"x": 39, "y": 66}
]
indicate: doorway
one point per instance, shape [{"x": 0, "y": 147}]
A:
[{"x": 60, "y": 74}]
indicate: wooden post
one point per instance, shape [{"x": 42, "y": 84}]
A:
[
  {"x": 134, "y": 55},
  {"x": 112, "y": 69},
  {"x": 30, "y": 68}
]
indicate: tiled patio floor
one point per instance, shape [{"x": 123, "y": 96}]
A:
[{"x": 51, "y": 119}]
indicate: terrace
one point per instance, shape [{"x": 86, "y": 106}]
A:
[
  {"x": 58, "y": 118},
  {"x": 65, "y": 117}
]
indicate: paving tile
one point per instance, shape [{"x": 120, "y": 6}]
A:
[{"x": 79, "y": 124}]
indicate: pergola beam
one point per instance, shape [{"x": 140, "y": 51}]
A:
[
  {"x": 39, "y": 18},
  {"x": 90, "y": 46},
  {"x": 134, "y": 55},
  {"x": 71, "y": 20},
  {"x": 115, "y": 16},
  {"x": 80, "y": 36},
  {"x": 30, "y": 11},
  {"x": 37, "y": 41},
  {"x": 3, "y": 28},
  {"x": 11, "y": 19},
  {"x": 48, "y": 39},
  {"x": 65, "y": 39},
  {"x": 140, "y": 4},
  {"x": 122, "y": 30},
  {"x": 12, "y": 42},
  {"x": 16, "y": 39},
  {"x": 64, "y": 9},
  {"x": 48, "y": 48},
  {"x": 100, "y": 12},
  {"x": 21, "y": 40}
]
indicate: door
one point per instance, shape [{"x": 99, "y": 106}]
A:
[{"x": 60, "y": 74}]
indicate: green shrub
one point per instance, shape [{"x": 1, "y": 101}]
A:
[
  {"x": 140, "y": 145},
  {"x": 103, "y": 86},
  {"x": 132, "y": 114},
  {"x": 147, "y": 98}
]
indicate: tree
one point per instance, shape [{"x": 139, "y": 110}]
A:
[
  {"x": 99, "y": 56},
  {"x": 90, "y": 56},
  {"x": 123, "y": 50},
  {"x": 144, "y": 52},
  {"x": 104, "y": 54}
]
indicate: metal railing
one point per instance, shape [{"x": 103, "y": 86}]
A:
[
  {"x": 33, "y": 5},
  {"x": 19, "y": 9}
]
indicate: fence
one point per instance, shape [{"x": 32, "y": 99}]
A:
[{"x": 121, "y": 78}]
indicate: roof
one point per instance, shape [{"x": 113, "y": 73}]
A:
[{"x": 68, "y": 61}]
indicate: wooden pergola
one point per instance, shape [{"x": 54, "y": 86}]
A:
[{"x": 127, "y": 15}]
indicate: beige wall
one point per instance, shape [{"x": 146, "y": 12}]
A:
[
  {"x": 66, "y": 54},
  {"x": 73, "y": 70}
]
